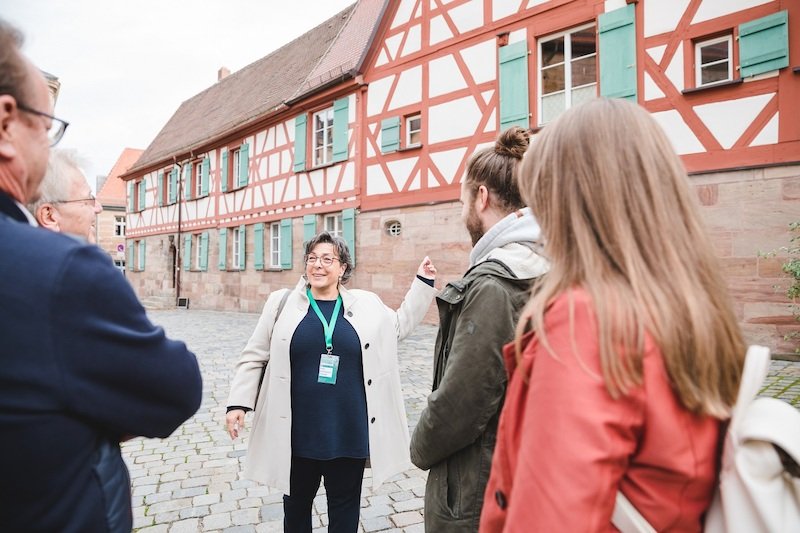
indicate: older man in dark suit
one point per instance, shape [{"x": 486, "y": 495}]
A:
[{"x": 81, "y": 366}]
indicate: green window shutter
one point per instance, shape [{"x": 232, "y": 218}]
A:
[
  {"x": 341, "y": 125},
  {"x": 204, "y": 251},
  {"x": 309, "y": 227},
  {"x": 242, "y": 239},
  {"x": 142, "y": 190},
  {"x": 224, "y": 172},
  {"x": 286, "y": 243},
  {"x": 390, "y": 135},
  {"x": 244, "y": 165},
  {"x": 617, "y": 52},
  {"x": 764, "y": 44},
  {"x": 131, "y": 207},
  {"x": 300, "y": 143},
  {"x": 187, "y": 252},
  {"x": 514, "y": 106},
  {"x": 204, "y": 176},
  {"x": 187, "y": 181},
  {"x": 173, "y": 185},
  {"x": 160, "y": 188},
  {"x": 142, "y": 254},
  {"x": 223, "y": 246},
  {"x": 349, "y": 230},
  {"x": 258, "y": 246},
  {"x": 131, "y": 256}
]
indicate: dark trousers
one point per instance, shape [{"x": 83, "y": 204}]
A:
[{"x": 342, "y": 478}]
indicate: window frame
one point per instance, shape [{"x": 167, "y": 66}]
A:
[
  {"x": 119, "y": 228},
  {"x": 337, "y": 223},
  {"x": 236, "y": 236},
  {"x": 275, "y": 245},
  {"x": 197, "y": 245},
  {"x": 698, "y": 66},
  {"x": 327, "y": 130},
  {"x": 407, "y": 130},
  {"x": 568, "y": 59}
]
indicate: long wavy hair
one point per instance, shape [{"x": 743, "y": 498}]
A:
[{"x": 619, "y": 220}]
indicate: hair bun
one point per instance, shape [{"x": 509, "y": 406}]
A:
[{"x": 512, "y": 143}]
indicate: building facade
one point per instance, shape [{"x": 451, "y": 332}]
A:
[
  {"x": 111, "y": 221},
  {"x": 367, "y": 133}
]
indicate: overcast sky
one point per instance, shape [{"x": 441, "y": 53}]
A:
[{"x": 125, "y": 66}]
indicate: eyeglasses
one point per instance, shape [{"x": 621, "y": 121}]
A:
[
  {"x": 326, "y": 260},
  {"x": 91, "y": 199},
  {"x": 57, "y": 126}
]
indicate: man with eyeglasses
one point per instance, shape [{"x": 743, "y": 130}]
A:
[
  {"x": 81, "y": 366},
  {"x": 66, "y": 202}
]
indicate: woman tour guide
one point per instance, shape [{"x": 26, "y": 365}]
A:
[{"x": 331, "y": 397}]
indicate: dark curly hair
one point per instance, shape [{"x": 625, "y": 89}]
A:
[{"x": 342, "y": 251}]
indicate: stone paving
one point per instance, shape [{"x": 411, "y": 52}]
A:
[{"x": 190, "y": 481}]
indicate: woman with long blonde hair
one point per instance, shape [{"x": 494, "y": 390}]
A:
[{"x": 635, "y": 352}]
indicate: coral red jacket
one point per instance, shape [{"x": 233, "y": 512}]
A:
[{"x": 565, "y": 446}]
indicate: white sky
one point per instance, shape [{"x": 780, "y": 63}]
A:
[{"x": 126, "y": 65}]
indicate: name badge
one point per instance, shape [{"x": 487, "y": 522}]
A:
[{"x": 328, "y": 368}]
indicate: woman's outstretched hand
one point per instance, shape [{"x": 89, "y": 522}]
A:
[{"x": 426, "y": 269}]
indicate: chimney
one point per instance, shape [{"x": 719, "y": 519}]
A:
[{"x": 223, "y": 73}]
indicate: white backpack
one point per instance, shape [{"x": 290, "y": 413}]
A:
[{"x": 756, "y": 492}]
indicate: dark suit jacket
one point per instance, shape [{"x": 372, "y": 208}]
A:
[{"x": 80, "y": 366}]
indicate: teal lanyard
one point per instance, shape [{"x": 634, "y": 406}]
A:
[{"x": 327, "y": 327}]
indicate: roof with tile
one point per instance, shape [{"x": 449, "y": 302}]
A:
[
  {"x": 299, "y": 67},
  {"x": 113, "y": 190}
]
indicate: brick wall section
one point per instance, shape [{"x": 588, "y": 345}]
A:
[
  {"x": 105, "y": 233},
  {"x": 747, "y": 213}
]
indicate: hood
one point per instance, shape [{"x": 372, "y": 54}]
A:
[{"x": 515, "y": 242}]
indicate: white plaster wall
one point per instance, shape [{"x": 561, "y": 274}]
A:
[
  {"x": 662, "y": 16},
  {"x": 481, "y": 59},
  {"x": 439, "y": 30},
  {"x": 377, "y": 93},
  {"x": 728, "y": 119},
  {"x": 769, "y": 134},
  {"x": 400, "y": 170},
  {"x": 447, "y": 162},
  {"x": 376, "y": 181},
  {"x": 403, "y": 13},
  {"x": 503, "y": 8},
  {"x": 413, "y": 40},
  {"x": 453, "y": 120},
  {"x": 683, "y": 139},
  {"x": 445, "y": 77},
  {"x": 468, "y": 16},
  {"x": 409, "y": 88},
  {"x": 711, "y": 9},
  {"x": 675, "y": 69}
]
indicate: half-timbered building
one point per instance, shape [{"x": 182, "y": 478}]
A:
[{"x": 363, "y": 126}]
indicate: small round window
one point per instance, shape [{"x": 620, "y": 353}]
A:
[{"x": 393, "y": 228}]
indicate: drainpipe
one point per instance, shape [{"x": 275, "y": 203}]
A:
[{"x": 179, "y": 255}]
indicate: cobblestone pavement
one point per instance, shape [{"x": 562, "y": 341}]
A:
[{"x": 190, "y": 481}]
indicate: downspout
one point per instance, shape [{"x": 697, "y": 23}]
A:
[{"x": 179, "y": 255}]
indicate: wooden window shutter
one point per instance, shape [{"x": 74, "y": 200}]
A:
[
  {"x": 242, "y": 239},
  {"x": 349, "y": 230},
  {"x": 142, "y": 190},
  {"x": 514, "y": 105},
  {"x": 286, "y": 243},
  {"x": 300, "y": 143},
  {"x": 187, "y": 252},
  {"x": 764, "y": 44},
  {"x": 142, "y": 254},
  {"x": 204, "y": 251},
  {"x": 341, "y": 126},
  {"x": 224, "y": 172},
  {"x": 223, "y": 247},
  {"x": 309, "y": 227},
  {"x": 131, "y": 198},
  {"x": 244, "y": 165},
  {"x": 258, "y": 246},
  {"x": 173, "y": 186},
  {"x": 390, "y": 135},
  {"x": 187, "y": 181},
  {"x": 206, "y": 171},
  {"x": 160, "y": 187},
  {"x": 617, "y": 53}
]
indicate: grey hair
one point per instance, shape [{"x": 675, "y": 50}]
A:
[
  {"x": 13, "y": 68},
  {"x": 342, "y": 251},
  {"x": 55, "y": 187}
]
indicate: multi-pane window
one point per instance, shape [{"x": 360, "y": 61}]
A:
[
  {"x": 275, "y": 245},
  {"x": 322, "y": 137},
  {"x": 233, "y": 173},
  {"x": 567, "y": 71},
  {"x": 333, "y": 224},
  {"x": 197, "y": 249},
  {"x": 198, "y": 179},
  {"x": 238, "y": 235},
  {"x": 413, "y": 131},
  {"x": 119, "y": 226},
  {"x": 713, "y": 61}
]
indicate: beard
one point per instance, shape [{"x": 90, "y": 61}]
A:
[{"x": 474, "y": 226}]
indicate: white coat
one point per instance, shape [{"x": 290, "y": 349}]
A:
[{"x": 379, "y": 329}]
